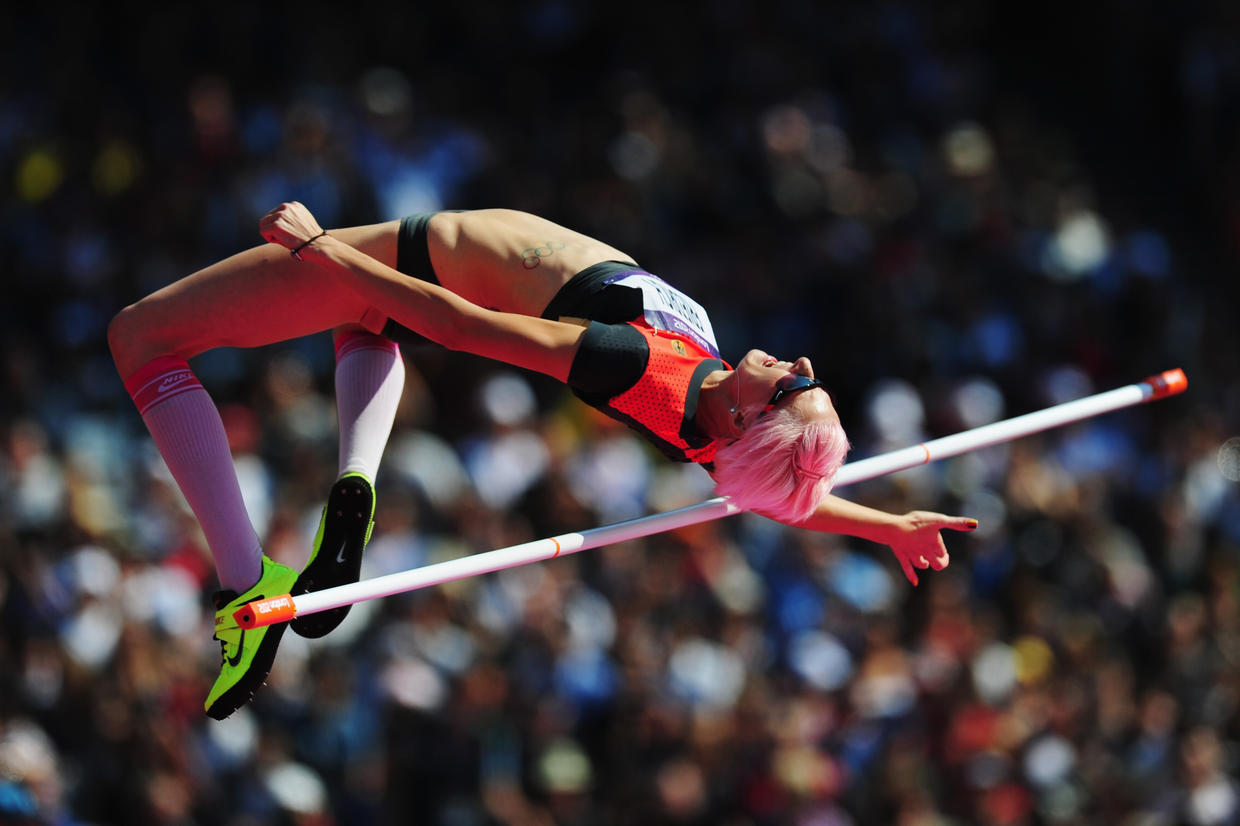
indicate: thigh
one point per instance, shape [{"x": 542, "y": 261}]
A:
[{"x": 256, "y": 297}]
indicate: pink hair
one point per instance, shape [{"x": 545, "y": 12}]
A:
[{"x": 783, "y": 467}]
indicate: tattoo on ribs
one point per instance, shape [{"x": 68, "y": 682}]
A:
[{"x": 531, "y": 257}]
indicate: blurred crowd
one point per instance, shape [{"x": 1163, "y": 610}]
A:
[{"x": 960, "y": 212}]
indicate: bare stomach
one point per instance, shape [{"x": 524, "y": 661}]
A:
[{"x": 508, "y": 260}]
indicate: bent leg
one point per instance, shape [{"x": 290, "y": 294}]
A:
[
  {"x": 253, "y": 298},
  {"x": 370, "y": 379}
]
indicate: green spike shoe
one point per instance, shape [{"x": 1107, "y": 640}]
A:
[
  {"x": 247, "y": 653},
  {"x": 344, "y": 529}
]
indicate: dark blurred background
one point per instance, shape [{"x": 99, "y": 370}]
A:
[{"x": 962, "y": 211}]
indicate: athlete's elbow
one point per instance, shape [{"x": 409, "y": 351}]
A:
[
  {"x": 437, "y": 324},
  {"x": 473, "y": 330},
  {"x": 448, "y": 336}
]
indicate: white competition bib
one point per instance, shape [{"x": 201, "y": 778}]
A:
[{"x": 667, "y": 308}]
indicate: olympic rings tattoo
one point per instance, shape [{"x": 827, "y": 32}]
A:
[{"x": 531, "y": 257}]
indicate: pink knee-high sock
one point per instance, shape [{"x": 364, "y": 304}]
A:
[
  {"x": 370, "y": 377},
  {"x": 187, "y": 429}
]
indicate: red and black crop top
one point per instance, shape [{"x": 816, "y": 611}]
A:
[{"x": 647, "y": 372}]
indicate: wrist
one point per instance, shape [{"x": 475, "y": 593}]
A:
[
  {"x": 882, "y": 527},
  {"x": 297, "y": 250}
]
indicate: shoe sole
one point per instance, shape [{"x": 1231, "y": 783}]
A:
[
  {"x": 346, "y": 527},
  {"x": 254, "y": 678}
]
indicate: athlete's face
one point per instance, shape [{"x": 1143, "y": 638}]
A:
[{"x": 764, "y": 383}]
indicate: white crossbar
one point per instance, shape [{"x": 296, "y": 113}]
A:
[{"x": 265, "y": 612}]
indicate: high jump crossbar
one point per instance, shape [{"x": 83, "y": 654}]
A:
[{"x": 285, "y": 607}]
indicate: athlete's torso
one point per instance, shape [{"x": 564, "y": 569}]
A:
[{"x": 648, "y": 370}]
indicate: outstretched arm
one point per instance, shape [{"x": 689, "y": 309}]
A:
[
  {"x": 428, "y": 309},
  {"x": 914, "y": 537}
]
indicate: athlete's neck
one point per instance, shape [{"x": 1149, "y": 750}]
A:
[{"x": 716, "y": 417}]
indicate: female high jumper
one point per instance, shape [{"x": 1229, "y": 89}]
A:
[{"x": 505, "y": 285}]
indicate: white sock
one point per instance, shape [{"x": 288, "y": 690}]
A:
[
  {"x": 370, "y": 378},
  {"x": 189, "y": 434}
]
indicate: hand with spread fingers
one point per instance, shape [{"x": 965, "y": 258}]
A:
[
  {"x": 914, "y": 537},
  {"x": 918, "y": 542}
]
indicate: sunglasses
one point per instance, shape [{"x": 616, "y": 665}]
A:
[{"x": 786, "y": 386}]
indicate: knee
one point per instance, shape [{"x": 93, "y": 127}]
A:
[
  {"x": 126, "y": 340},
  {"x": 118, "y": 331}
]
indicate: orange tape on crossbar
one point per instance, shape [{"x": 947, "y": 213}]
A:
[
  {"x": 265, "y": 611},
  {"x": 1168, "y": 383}
]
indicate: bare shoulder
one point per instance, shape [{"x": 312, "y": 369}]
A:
[{"x": 510, "y": 260}]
